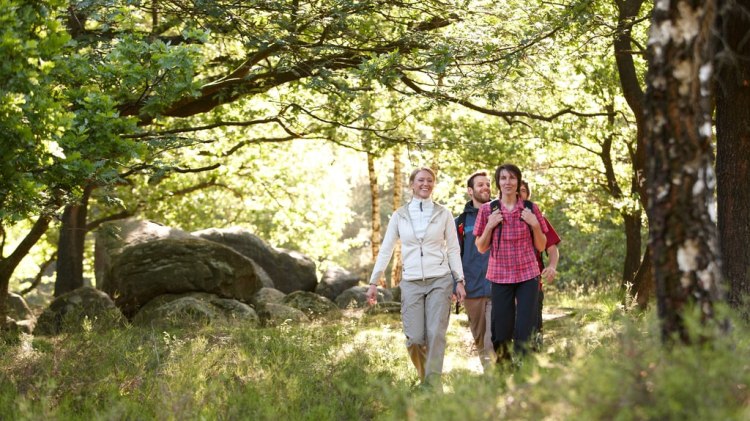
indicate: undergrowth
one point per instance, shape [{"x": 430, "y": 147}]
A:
[{"x": 600, "y": 362}]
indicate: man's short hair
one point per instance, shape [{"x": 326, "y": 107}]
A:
[{"x": 470, "y": 183}]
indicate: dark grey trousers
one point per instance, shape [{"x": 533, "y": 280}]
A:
[{"x": 514, "y": 316}]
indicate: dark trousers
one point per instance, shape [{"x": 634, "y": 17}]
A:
[
  {"x": 538, "y": 338},
  {"x": 539, "y": 312},
  {"x": 514, "y": 316}
]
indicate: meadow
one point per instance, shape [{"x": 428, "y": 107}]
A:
[{"x": 601, "y": 361}]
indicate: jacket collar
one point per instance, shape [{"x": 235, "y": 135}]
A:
[
  {"x": 469, "y": 208},
  {"x": 403, "y": 211}
]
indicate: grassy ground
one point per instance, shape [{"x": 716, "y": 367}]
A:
[{"x": 599, "y": 363}]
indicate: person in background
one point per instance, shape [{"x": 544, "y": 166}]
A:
[
  {"x": 477, "y": 302},
  {"x": 431, "y": 271},
  {"x": 549, "y": 272},
  {"x": 514, "y": 235}
]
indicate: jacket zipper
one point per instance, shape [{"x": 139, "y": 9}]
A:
[{"x": 421, "y": 240}]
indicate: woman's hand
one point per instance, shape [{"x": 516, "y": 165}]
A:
[
  {"x": 495, "y": 219},
  {"x": 529, "y": 217},
  {"x": 372, "y": 294}
]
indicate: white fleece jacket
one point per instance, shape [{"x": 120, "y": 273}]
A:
[{"x": 436, "y": 255}]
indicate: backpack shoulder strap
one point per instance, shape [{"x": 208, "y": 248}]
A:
[
  {"x": 495, "y": 205},
  {"x": 528, "y": 204}
]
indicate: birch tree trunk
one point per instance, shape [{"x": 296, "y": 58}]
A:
[{"x": 681, "y": 179}]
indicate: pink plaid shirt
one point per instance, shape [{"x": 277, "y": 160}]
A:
[{"x": 512, "y": 257}]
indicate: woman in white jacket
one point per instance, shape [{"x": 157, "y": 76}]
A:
[{"x": 432, "y": 266}]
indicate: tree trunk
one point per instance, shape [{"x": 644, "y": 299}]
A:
[
  {"x": 633, "y": 246},
  {"x": 643, "y": 281},
  {"x": 9, "y": 264},
  {"x": 733, "y": 147},
  {"x": 628, "y": 11},
  {"x": 682, "y": 234},
  {"x": 631, "y": 217},
  {"x": 375, "y": 198},
  {"x": 71, "y": 245},
  {"x": 398, "y": 188}
]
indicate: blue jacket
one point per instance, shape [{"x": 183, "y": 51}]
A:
[{"x": 474, "y": 263}]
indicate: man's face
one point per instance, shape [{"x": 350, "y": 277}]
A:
[{"x": 481, "y": 190}]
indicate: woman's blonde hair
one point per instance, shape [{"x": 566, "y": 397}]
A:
[{"x": 426, "y": 169}]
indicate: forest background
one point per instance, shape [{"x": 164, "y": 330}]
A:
[{"x": 300, "y": 121}]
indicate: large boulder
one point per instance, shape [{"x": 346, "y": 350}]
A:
[
  {"x": 40, "y": 297},
  {"x": 313, "y": 305},
  {"x": 19, "y": 314},
  {"x": 17, "y": 307},
  {"x": 289, "y": 270},
  {"x": 70, "y": 311},
  {"x": 175, "y": 266},
  {"x": 112, "y": 238},
  {"x": 386, "y": 307},
  {"x": 273, "y": 315},
  {"x": 356, "y": 297},
  {"x": 16, "y": 327},
  {"x": 335, "y": 281},
  {"x": 193, "y": 308},
  {"x": 262, "y": 275},
  {"x": 267, "y": 295}
]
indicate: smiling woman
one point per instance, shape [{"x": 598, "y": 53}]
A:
[{"x": 431, "y": 270}]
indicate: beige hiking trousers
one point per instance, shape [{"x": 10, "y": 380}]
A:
[
  {"x": 479, "y": 311},
  {"x": 425, "y": 311}
]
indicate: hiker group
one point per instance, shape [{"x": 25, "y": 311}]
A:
[{"x": 489, "y": 258}]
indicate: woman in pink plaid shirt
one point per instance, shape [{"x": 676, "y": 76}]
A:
[{"x": 511, "y": 233}]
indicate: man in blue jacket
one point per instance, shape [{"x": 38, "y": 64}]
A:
[{"x": 477, "y": 302}]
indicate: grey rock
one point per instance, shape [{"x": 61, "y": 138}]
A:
[
  {"x": 194, "y": 308},
  {"x": 175, "y": 266},
  {"x": 335, "y": 281},
  {"x": 69, "y": 312},
  {"x": 289, "y": 270}
]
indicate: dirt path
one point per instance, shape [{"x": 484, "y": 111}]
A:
[{"x": 460, "y": 354}]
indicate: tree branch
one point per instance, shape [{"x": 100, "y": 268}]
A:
[
  {"x": 507, "y": 115},
  {"x": 277, "y": 120},
  {"x": 38, "y": 278},
  {"x": 240, "y": 82}
]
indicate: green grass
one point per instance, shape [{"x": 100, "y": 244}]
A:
[{"x": 599, "y": 363}]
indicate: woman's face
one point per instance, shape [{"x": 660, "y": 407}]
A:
[
  {"x": 422, "y": 185},
  {"x": 508, "y": 183}
]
